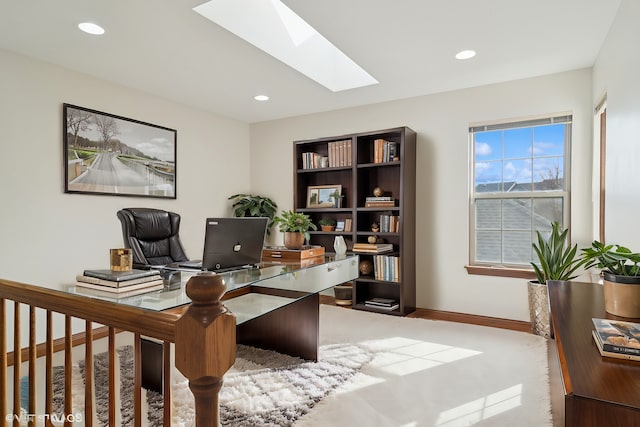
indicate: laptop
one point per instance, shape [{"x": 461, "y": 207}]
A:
[{"x": 231, "y": 243}]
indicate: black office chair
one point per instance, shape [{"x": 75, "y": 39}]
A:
[{"x": 152, "y": 236}]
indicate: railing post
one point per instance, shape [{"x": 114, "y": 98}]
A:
[{"x": 205, "y": 344}]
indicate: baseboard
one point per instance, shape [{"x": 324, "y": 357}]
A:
[{"x": 425, "y": 313}]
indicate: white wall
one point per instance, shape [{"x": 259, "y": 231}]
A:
[
  {"x": 47, "y": 236},
  {"x": 617, "y": 73},
  {"x": 441, "y": 122}
]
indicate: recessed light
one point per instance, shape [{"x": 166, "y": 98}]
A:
[
  {"x": 261, "y": 98},
  {"x": 91, "y": 28},
  {"x": 466, "y": 54}
]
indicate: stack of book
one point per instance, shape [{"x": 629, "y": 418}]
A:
[
  {"x": 339, "y": 153},
  {"x": 120, "y": 283},
  {"x": 386, "y": 268},
  {"x": 372, "y": 248},
  {"x": 379, "y": 202},
  {"x": 389, "y": 223},
  {"x": 616, "y": 338},
  {"x": 382, "y": 303},
  {"x": 385, "y": 151}
]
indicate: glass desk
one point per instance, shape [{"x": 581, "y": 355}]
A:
[{"x": 276, "y": 305}]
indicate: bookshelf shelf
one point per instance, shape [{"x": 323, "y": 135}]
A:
[{"x": 368, "y": 162}]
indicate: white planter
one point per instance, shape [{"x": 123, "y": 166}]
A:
[{"x": 539, "y": 309}]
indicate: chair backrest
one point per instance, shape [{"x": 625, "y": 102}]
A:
[{"x": 152, "y": 235}]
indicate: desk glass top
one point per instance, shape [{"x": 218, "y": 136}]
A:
[{"x": 300, "y": 279}]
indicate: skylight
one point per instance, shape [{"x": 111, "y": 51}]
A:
[{"x": 277, "y": 30}]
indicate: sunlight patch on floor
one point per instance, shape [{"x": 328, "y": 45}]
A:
[
  {"x": 482, "y": 409},
  {"x": 402, "y": 356}
]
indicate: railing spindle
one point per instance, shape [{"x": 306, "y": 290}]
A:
[
  {"x": 68, "y": 371},
  {"x": 137, "y": 381},
  {"x": 3, "y": 359},
  {"x": 17, "y": 362},
  {"x": 112, "y": 377},
  {"x": 32, "y": 364},
  {"x": 88, "y": 375},
  {"x": 49, "y": 369}
]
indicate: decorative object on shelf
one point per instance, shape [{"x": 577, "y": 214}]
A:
[
  {"x": 339, "y": 245},
  {"x": 340, "y": 226},
  {"x": 249, "y": 205},
  {"x": 344, "y": 294},
  {"x": 621, "y": 272},
  {"x": 375, "y": 227},
  {"x": 121, "y": 259},
  {"x": 378, "y": 192},
  {"x": 327, "y": 224},
  {"x": 273, "y": 253},
  {"x": 323, "y": 196},
  {"x": 366, "y": 267},
  {"x": 372, "y": 239},
  {"x": 94, "y": 140},
  {"x": 557, "y": 260},
  {"x": 337, "y": 199},
  {"x": 295, "y": 226}
]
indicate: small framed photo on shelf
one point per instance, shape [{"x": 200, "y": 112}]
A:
[
  {"x": 323, "y": 196},
  {"x": 340, "y": 226}
]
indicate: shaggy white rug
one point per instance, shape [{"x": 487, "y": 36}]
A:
[{"x": 379, "y": 370}]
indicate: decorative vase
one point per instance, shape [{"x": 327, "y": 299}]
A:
[
  {"x": 539, "y": 308},
  {"x": 344, "y": 294},
  {"x": 293, "y": 240},
  {"x": 622, "y": 295},
  {"x": 339, "y": 245}
]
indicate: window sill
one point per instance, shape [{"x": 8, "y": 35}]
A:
[{"x": 501, "y": 272}]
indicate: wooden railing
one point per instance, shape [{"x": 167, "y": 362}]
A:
[{"x": 204, "y": 338}]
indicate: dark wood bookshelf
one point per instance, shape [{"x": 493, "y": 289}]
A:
[{"x": 397, "y": 178}]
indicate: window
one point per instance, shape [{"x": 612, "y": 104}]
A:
[{"x": 519, "y": 185}]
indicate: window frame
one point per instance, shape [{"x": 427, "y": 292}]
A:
[{"x": 510, "y": 269}]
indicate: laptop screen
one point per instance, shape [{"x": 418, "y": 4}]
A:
[{"x": 233, "y": 242}]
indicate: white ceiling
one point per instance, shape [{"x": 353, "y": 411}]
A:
[{"x": 164, "y": 48}]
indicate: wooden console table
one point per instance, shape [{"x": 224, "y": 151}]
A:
[{"x": 598, "y": 391}]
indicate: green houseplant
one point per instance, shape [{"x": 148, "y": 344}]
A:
[
  {"x": 621, "y": 273},
  {"x": 249, "y": 205},
  {"x": 327, "y": 224},
  {"x": 557, "y": 260},
  {"x": 295, "y": 226}
]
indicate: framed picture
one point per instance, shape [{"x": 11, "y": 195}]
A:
[
  {"x": 112, "y": 155},
  {"x": 323, "y": 196},
  {"x": 340, "y": 226}
]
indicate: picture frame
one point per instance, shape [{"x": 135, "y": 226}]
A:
[
  {"x": 106, "y": 154},
  {"x": 323, "y": 196},
  {"x": 339, "y": 226}
]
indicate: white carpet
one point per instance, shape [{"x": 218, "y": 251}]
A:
[{"x": 434, "y": 373}]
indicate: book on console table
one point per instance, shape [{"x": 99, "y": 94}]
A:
[
  {"x": 144, "y": 286},
  {"x": 103, "y": 291},
  {"x": 270, "y": 253},
  {"x": 117, "y": 284},
  {"x": 119, "y": 276},
  {"x": 617, "y": 338}
]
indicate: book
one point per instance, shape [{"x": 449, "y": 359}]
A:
[
  {"x": 382, "y": 301},
  {"x": 617, "y": 336},
  {"x": 613, "y": 354},
  {"x": 119, "y": 276},
  {"x": 129, "y": 293},
  {"x": 380, "y": 204},
  {"x": 115, "y": 284},
  {"x": 374, "y": 248},
  {"x": 156, "y": 284},
  {"x": 382, "y": 307}
]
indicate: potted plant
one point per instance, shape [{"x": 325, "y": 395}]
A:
[
  {"x": 337, "y": 199},
  {"x": 327, "y": 224},
  {"x": 295, "y": 226},
  {"x": 621, "y": 274},
  {"x": 248, "y": 205},
  {"x": 557, "y": 260}
]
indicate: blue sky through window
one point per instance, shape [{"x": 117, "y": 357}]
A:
[{"x": 523, "y": 156}]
